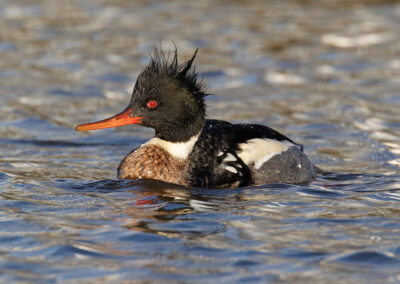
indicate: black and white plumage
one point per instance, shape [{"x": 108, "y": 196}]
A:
[
  {"x": 235, "y": 155},
  {"x": 188, "y": 149}
]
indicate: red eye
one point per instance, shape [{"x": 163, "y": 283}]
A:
[{"x": 151, "y": 104}]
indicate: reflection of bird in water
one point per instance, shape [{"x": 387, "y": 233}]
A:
[{"x": 166, "y": 209}]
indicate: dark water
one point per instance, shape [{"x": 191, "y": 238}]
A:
[{"x": 325, "y": 73}]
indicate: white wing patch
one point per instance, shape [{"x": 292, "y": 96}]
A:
[{"x": 260, "y": 150}]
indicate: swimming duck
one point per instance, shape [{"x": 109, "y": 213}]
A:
[{"x": 189, "y": 149}]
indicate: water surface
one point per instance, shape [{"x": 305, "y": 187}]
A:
[{"x": 326, "y": 74}]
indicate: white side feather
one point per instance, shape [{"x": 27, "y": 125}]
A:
[{"x": 260, "y": 150}]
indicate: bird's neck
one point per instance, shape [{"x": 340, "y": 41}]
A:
[
  {"x": 179, "y": 150},
  {"x": 181, "y": 130}
]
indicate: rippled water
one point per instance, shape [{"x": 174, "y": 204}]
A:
[{"x": 326, "y": 73}]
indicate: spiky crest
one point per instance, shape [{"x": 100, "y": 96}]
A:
[{"x": 166, "y": 66}]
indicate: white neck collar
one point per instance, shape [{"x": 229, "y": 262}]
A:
[{"x": 179, "y": 150}]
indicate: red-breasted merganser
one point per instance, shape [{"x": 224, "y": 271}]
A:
[{"x": 193, "y": 151}]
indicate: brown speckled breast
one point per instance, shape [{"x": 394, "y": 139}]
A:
[{"x": 153, "y": 162}]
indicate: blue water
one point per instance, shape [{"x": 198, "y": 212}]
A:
[{"x": 328, "y": 82}]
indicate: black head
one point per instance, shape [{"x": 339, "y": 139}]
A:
[
  {"x": 167, "y": 97},
  {"x": 170, "y": 97}
]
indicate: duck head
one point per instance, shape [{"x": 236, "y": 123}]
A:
[{"x": 167, "y": 97}]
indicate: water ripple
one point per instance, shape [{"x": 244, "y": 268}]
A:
[{"x": 330, "y": 83}]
